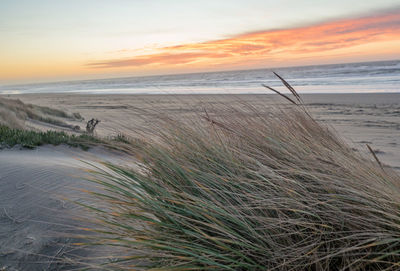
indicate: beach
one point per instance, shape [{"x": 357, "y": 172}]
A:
[
  {"x": 40, "y": 218},
  {"x": 360, "y": 118}
]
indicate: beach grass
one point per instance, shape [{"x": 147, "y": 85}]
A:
[
  {"x": 10, "y": 137},
  {"x": 247, "y": 190},
  {"x": 14, "y": 113}
]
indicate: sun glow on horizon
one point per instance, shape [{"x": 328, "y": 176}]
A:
[{"x": 375, "y": 36}]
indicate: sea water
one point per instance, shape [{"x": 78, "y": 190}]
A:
[{"x": 365, "y": 77}]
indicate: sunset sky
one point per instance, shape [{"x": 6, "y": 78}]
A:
[{"x": 47, "y": 40}]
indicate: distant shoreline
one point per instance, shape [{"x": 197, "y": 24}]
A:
[{"x": 365, "y": 77}]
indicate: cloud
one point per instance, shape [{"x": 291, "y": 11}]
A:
[
  {"x": 162, "y": 58},
  {"x": 319, "y": 39}
]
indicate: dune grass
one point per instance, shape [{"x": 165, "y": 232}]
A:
[
  {"x": 251, "y": 191},
  {"x": 14, "y": 113},
  {"x": 10, "y": 137},
  {"x": 13, "y": 131}
]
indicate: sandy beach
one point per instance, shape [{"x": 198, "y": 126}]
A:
[
  {"x": 360, "y": 118},
  {"x": 39, "y": 217}
]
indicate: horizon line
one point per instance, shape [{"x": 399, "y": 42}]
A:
[{"x": 188, "y": 73}]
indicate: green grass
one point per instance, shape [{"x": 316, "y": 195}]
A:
[{"x": 30, "y": 139}]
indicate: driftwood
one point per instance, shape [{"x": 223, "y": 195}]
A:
[{"x": 91, "y": 125}]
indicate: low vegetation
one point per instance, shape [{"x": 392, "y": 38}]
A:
[
  {"x": 248, "y": 191},
  {"x": 10, "y": 137},
  {"x": 13, "y": 129}
]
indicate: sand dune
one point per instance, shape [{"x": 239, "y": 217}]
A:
[{"x": 38, "y": 217}]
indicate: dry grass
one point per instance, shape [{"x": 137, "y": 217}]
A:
[
  {"x": 11, "y": 118},
  {"x": 14, "y": 113},
  {"x": 248, "y": 191}
]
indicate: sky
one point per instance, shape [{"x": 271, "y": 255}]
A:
[{"x": 47, "y": 40}]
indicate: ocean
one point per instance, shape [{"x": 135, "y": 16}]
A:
[{"x": 365, "y": 77}]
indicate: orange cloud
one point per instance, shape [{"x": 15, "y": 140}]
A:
[{"x": 321, "y": 40}]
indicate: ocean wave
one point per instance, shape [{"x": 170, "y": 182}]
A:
[{"x": 377, "y": 76}]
